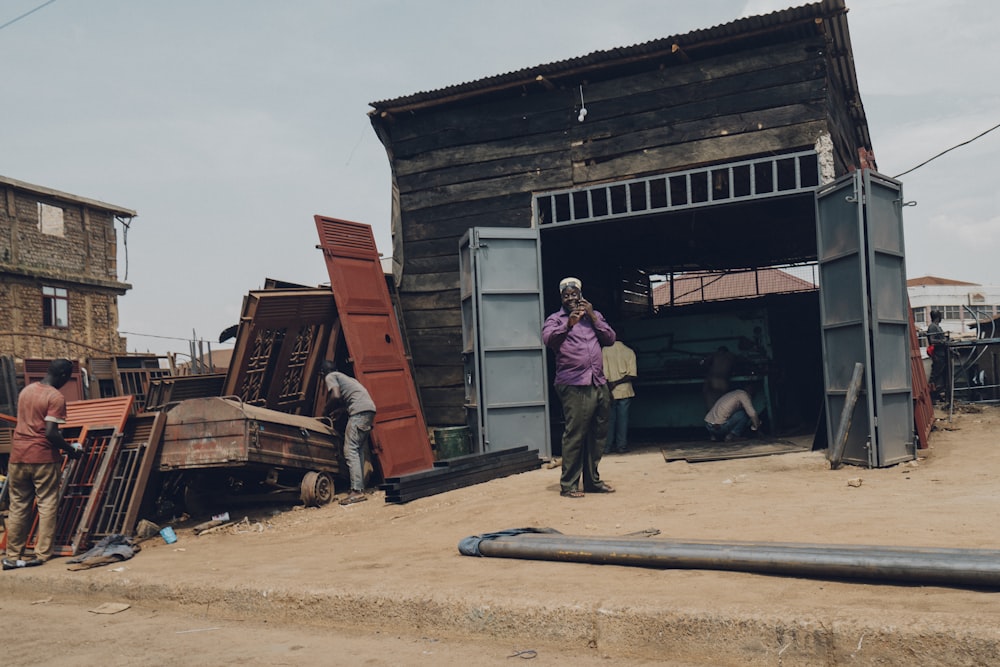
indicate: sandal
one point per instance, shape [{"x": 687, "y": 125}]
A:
[
  {"x": 571, "y": 494},
  {"x": 603, "y": 487},
  {"x": 354, "y": 498}
]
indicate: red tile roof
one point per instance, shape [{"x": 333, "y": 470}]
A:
[
  {"x": 934, "y": 280},
  {"x": 698, "y": 286}
]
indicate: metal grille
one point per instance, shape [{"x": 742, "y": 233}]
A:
[
  {"x": 110, "y": 514},
  {"x": 760, "y": 178},
  {"x": 265, "y": 342},
  {"x": 293, "y": 385}
]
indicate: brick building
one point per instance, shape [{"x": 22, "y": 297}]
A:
[{"x": 59, "y": 283}]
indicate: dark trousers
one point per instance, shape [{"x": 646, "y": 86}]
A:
[
  {"x": 939, "y": 372},
  {"x": 586, "y": 410},
  {"x": 618, "y": 425}
]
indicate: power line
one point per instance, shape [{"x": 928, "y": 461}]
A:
[
  {"x": 964, "y": 143},
  {"x": 15, "y": 20},
  {"x": 132, "y": 333}
]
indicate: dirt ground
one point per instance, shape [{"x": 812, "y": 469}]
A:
[{"x": 380, "y": 584}]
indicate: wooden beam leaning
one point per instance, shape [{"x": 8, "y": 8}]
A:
[{"x": 840, "y": 439}]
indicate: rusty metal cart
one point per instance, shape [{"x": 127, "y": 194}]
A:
[{"x": 221, "y": 450}]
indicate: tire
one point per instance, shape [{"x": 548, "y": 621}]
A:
[{"x": 316, "y": 489}]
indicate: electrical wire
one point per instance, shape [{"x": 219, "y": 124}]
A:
[
  {"x": 964, "y": 143},
  {"x": 32, "y": 11},
  {"x": 133, "y": 333}
]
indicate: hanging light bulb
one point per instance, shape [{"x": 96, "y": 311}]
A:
[{"x": 583, "y": 108}]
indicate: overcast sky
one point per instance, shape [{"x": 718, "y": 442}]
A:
[{"x": 227, "y": 124}]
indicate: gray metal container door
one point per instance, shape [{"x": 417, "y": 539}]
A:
[
  {"x": 505, "y": 362},
  {"x": 844, "y": 310},
  {"x": 863, "y": 315},
  {"x": 890, "y": 319}
]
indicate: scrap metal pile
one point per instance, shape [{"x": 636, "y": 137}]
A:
[{"x": 166, "y": 444}]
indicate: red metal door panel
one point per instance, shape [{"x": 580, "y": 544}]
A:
[
  {"x": 101, "y": 422},
  {"x": 99, "y": 413},
  {"x": 923, "y": 406},
  {"x": 399, "y": 434}
]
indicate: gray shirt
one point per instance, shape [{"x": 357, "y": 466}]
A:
[{"x": 355, "y": 397}]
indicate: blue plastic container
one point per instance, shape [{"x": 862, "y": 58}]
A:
[{"x": 168, "y": 535}]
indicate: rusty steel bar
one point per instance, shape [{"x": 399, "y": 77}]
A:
[{"x": 923, "y": 565}]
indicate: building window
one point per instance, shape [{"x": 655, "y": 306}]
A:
[
  {"x": 50, "y": 220},
  {"x": 919, "y": 315},
  {"x": 949, "y": 312},
  {"x": 55, "y": 307}
]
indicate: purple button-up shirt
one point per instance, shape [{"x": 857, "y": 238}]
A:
[{"x": 578, "y": 349}]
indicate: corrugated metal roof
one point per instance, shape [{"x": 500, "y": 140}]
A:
[{"x": 804, "y": 17}]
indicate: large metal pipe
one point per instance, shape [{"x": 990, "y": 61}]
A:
[{"x": 922, "y": 565}]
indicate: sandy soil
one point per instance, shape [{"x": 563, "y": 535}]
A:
[{"x": 379, "y": 583}]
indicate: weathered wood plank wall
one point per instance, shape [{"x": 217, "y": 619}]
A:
[{"x": 477, "y": 161}]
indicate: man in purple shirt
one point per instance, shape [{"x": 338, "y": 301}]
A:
[{"x": 576, "y": 333}]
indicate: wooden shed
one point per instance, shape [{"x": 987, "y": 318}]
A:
[{"x": 695, "y": 152}]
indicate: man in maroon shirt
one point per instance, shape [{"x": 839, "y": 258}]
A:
[
  {"x": 36, "y": 464},
  {"x": 577, "y": 332}
]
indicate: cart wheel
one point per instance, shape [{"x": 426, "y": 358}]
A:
[{"x": 316, "y": 489}]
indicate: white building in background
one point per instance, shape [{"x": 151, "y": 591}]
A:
[{"x": 961, "y": 304}]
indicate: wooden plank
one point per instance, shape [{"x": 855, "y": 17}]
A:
[
  {"x": 437, "y": 364},
  {"x": 485, "y": 169},
  {"x": 433, "y": 259},
  {"x": 446, "y": 229},
  {"x": 836, "y": 451},
  {"x": 444, "y": 396},
  {"x": 505, "y": 148},
  {"x": 545, "y": 179},
  {"x": 442, "y": 243},
  {"x": 697, "y": 452},
  {"x": 703, "y": 152},
  {"x": 444, "y": 358},
  {"x": 442, "y": 224},
  {"x": 439, "y": 375},
  {"x": 549, "y": 171},
  {"x": 425, "y": 301},
  {"x": 738, "y": 123},
  {"x": 446, "y": 415},
  {"x": 526, "y": 112},
  {"x": 433, "y": 319},
  {"x": 784, "y": 85},
  {"x": 484, "y": 128},
  {"x": 429, "y": 282},
  {"x": 478, "y": 208}
]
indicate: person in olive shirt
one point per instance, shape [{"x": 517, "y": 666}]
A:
[{"x": 620, "y": 371}]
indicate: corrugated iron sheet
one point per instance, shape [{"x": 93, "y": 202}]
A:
[{"x": 801, "y": 18}]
